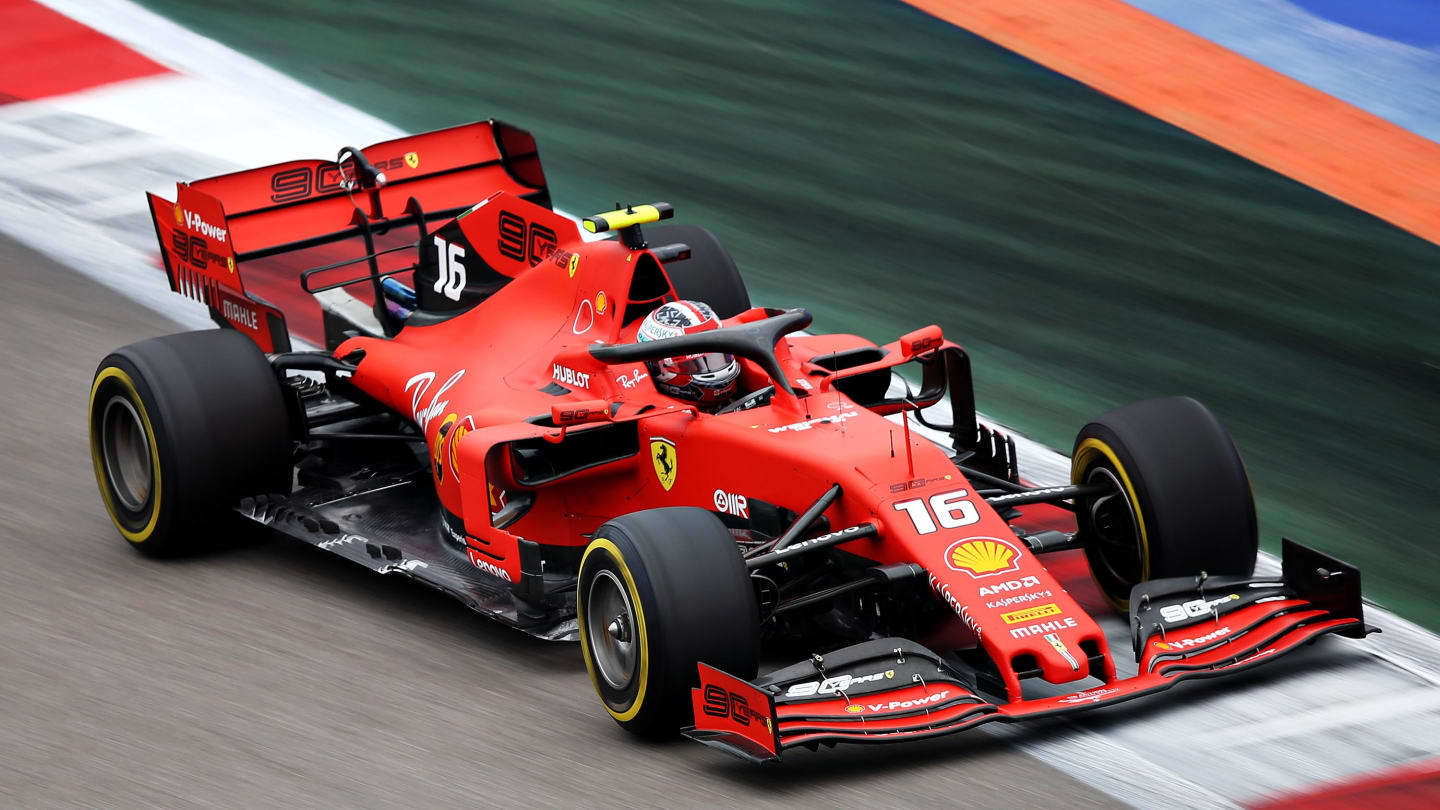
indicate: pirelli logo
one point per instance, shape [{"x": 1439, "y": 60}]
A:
[{"x": 1031, "y": 614}]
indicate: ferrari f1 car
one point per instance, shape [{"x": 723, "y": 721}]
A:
[{"x": 480, "y": 419}]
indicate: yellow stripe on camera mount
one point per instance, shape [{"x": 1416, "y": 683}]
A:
[{"x": 627, "y": 221}]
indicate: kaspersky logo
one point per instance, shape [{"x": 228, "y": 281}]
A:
[
  {"x": 200, "y": 226},
  {"x": 982, "y": 556}
]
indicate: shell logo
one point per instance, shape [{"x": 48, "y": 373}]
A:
[
  {"x": 854, "y": 708},
  {"x": 600, "y": 302},
  {"x": 982, "y": 556},
  {"x": 179, "y": 217}
]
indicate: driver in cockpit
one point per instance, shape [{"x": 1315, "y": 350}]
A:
[{"x": 711, "y": 380}]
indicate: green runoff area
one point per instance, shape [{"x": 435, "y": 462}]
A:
[{"x": 888, "y": 170}]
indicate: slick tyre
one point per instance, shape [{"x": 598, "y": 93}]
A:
[
  {"x": 709, "y": 275},
  {"x": 659, "y": 592},
  {"x": 182, "y": 427},
  {"x": 1181, "y": 500}
]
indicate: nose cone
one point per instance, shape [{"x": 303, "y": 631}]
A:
[
  {"x": 1025, "y": 620},
  {"x": 1054, "y": 640}
]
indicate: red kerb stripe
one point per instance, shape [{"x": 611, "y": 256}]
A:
[
  {"x": 44, "y": 53},
  {"x": 1415, "y": 786}
]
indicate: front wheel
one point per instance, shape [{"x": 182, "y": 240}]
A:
[
  {"x": 659, "y": 592},
  {"x": 1179, "y": 503}
]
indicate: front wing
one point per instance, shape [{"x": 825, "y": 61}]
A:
[{"x": 892, "y": 690}]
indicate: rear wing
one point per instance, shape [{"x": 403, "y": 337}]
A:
[{"x": 267, "y": 225}]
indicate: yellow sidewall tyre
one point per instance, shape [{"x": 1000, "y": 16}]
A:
[
  {"x": 134, "y": 503},
  {"x": 1182, "y": 501},
  {"x": 674, "y": 586},
  {"x": 181, "y": 428}
]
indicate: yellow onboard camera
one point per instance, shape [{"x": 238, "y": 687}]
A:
[{"x": 627, "y": 221}]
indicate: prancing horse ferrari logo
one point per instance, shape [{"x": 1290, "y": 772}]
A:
[{"x": 662, "y": 453}]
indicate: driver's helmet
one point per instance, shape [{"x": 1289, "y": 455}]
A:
[{"x": 708, "y": 379}]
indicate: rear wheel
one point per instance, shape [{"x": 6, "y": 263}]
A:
[
  {"x": 659, "y": 592},
  {"x": 709, "y": 275},
  {"x": 182, "y": 427},
  {"x": 1180, "y": 502}
]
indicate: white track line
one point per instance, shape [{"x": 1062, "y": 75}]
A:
[
  {"x": 1379, "y": 710},
  {"x": 81, "y": 154},
  {"x": 1104, "y": 764},
  {"x": 1231, "y": 745}
]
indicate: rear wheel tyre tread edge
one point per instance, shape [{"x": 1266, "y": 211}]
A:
[{"x": 709, "y": 275}]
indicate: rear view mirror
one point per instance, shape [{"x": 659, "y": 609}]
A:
[
  {"x": 579, "y": 413},
  {"x": 921, "y": 340}
]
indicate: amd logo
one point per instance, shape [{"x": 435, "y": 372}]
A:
[{"x": 1009, "y": 585}]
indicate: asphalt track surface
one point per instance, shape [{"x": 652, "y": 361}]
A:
[{"x": 269, "y": 674}]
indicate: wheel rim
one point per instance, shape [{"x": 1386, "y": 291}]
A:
[
  {"x": 1115, "y": 531},
  {"x": 610, "y": 630},
  {"x": 125, "y": 446}
]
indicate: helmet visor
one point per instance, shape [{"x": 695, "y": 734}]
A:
[{"x": 702, "y": 363}]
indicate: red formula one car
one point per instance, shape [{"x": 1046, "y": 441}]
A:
[{"x": 485, "y": 418}]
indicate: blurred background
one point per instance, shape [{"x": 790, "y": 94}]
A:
[
  {"x": 888, "y": 169},
  {"x": 1103, "y": 200}
]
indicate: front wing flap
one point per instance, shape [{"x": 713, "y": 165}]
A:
[{"x": 891, "y": 690}]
